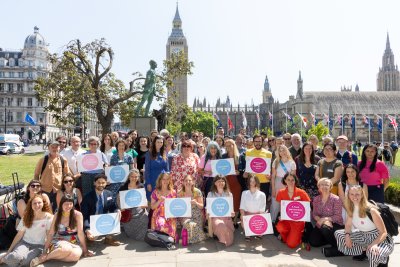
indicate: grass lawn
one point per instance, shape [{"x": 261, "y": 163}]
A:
[{"x": 24, "y": 165}]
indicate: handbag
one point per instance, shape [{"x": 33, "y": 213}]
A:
[{"x": 126, "y": 215}]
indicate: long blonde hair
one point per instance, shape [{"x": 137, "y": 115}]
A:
[
  {"x": 363, "y": 206},
  {"x": 235, "y": 150},
  {"x": 278, "y": 157}
]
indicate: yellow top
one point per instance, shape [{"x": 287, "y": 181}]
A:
[{"x": 262, "y": 153}]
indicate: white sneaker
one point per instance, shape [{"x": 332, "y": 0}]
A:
[{"x": 1, "y": 257}]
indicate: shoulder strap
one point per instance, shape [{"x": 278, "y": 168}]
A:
[
  {"x": 46, "y": 159},
  {"x": 320, "y": 168},
  {"x": 62, "y": 164}
]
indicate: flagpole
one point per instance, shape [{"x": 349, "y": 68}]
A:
[
  {"x": 301, "y": 122},
  {"x": 286, "y": 117},
  {"x": 369, "y": 130},
  {"x": 272, "y": 130},
  {"x": 382, "y": 127},
  {"x": 213, "y": 126}
]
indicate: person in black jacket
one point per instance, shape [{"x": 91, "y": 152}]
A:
[{"x": 99, "y": 201}]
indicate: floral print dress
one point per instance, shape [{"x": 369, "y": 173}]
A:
[{"x": 158, "y": 220}]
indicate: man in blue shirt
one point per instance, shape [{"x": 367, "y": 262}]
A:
[{"x": 343, "y": 154}]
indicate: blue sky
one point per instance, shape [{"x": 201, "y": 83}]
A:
[{"x": 233, "y": 44}]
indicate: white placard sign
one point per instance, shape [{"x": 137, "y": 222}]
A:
[
  {"x": 178, "y": 207},
  {"x": 220, "y": 206},
  {"x": 117, "y": 174},
  {"x": 223, "y": 167},
  {"x": 258, "y": 165},
  {"x": 105, "y": 224},
  {"x": 295, "y": 210},
  {"x": 89, "y": 162},
  {"x": 257, "y": 224},
  {"x": 133, "y": 198}
]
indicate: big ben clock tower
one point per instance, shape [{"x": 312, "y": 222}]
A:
[{"x": 177, "y": 43}]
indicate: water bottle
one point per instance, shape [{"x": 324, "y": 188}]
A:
[
  {"x": 177, "y": 238},
  {"x": 184, "y": 237}
]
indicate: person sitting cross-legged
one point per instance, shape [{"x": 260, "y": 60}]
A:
[{"x": 99, "y": 201}]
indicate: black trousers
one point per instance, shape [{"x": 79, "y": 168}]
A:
[{"x": 324, "y": 235}]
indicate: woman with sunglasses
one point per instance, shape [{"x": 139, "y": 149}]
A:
[
  {"x": 88, "y": 176},
  {"x": 68, "y": 188},
  {"x": 201, "y": 150},
  {"x": 32, "y": 231},
  {"x": 65, "y": 241},
  {"x": 137, "y": 218},
  {"x": 34, "y": 187},
  {"x": 184, "y": 164}
]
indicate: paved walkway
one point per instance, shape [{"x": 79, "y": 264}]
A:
[{"x": 266, "y": 252}]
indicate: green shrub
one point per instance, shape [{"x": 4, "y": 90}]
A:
[{"x": 392, "y": 194}]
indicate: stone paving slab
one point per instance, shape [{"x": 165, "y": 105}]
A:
[{"x": 268, "y": 252}]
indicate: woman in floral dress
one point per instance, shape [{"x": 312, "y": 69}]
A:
[
  {"x": 164, "y": 189},
  {"x": 194, "y": 225}
]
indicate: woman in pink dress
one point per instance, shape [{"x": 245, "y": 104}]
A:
[
  {"x": 184, "y": 164},
  {"x": 164, "y": 189},
  {"x": 222, "y": 227}
]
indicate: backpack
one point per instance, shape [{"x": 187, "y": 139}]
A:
[
  {"x": 159, "y": 239},
  {"x": 386, "y": 155},
  {"x": 46, "y": 159},
  {"x": 392, "y": 227}
]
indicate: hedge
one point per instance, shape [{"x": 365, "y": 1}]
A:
[{"x": 392, "y": 194}]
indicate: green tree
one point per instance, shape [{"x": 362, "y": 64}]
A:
[
  {"x": 200, "y": 121},
  {"x": 82, "y": 78},
  {"x": 319, "y": 130}
]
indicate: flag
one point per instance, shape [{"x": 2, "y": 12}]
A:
[
  {"x": 303, "y": 119},
  {"x": 29, "y": 119},
  {"x": 353, "y": 123},
  {"x": 326, "y": 118},
  {"x": 230, "y": 124},
  {"x": 244, "y": 120},
  {"x": 313, "y": 118},
  {"x": 258, "y": 119},
  {"x": 393, "y": 122},
  {"x": 288, "y": 117},
  {"x": 379, "y": 123},
  {"x": 218, "y": 120},
  {"x": 367, "y": 122},
  {"x": 339, "y": 119},
  {"x": 271, "y": 117}
]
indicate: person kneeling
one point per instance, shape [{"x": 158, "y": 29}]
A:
[
  {"x": 65, "y": 234},
  {"x": 290, "y": 232},
  {"x": 99, "y": 201}
]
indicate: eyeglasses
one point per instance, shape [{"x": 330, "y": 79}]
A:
[
  {"x": 93, "y": 144},
  {"x": 68, "y": 181},
  {"x": 35, "y": 186},
  {"x": 186, "y": 146},
  {"x": 62, "y": 142},
  {"x": 286, "y": 138},
  {"x": 195, "y": 136}
]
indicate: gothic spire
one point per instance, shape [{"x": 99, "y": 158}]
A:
[
  {"x": 266, "y": 84},
  {"x": 387, "y": 42},
  {"x": 299, "y": 80},
  {"x": 177, "y": 17},
  {"x": 177, "y": 25}
]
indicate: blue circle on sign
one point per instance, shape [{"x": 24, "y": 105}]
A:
[
  {"x": 220, "y": 207},
  {"x": 105, "y": 224},
  {"x": 133, "y": 198},
  {"x": 178, "y": 207},
  {"x": 117, "y": 174},
  {"x": 223, "y": 167}
]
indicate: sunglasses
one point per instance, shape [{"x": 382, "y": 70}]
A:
[
  {"x": 286, "y": 138},
  {"x": 195, "y": 136},
  {"x": 68, "y": 181},
  {"x": 62, "y": 142},
  {"x": 35, "y": 186},
  {"x": 186, "y": 146},
  {"x": 93, "y": 144}
]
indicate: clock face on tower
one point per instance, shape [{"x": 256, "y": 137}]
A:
[{"x": 176, "y": 50}]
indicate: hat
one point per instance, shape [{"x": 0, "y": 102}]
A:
[
  {"x": 342, "y": 137},
  {"x": 54, "y": 143}
]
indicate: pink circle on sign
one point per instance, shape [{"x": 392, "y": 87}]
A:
[
  {"x": 90, "y": 162},
  {"x": 258, "y": 224},
  {"x": 295, "y": 210},
  {"x": 258, "y": 165}
]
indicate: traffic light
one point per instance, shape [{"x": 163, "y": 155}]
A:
[{"x": 42, "y": 129}]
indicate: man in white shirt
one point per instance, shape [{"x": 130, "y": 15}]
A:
[{"x": 71, "y": 155}]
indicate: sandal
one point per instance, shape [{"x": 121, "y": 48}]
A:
[
  {"x": 247, "y": 238},
  {"x": 35, "y": 262},
  {"x": 258, "y": 237}
]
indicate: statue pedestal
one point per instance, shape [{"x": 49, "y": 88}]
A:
[{"x": 143, "y": 125}]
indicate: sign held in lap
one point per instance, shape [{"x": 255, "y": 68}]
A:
[{"x": 295, "y": 210}]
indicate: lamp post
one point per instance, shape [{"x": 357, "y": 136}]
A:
[{"x": 5, "y": 118}]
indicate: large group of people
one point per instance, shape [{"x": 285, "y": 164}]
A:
[{"x": 330, "y": 177}]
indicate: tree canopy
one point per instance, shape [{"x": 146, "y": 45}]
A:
[{"x": 81, "y": 78}]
